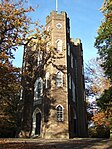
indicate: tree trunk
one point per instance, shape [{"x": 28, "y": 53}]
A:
[{"x": 26, "y": 124}]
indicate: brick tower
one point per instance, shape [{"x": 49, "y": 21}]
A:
[{"x": 60, "y": 113}]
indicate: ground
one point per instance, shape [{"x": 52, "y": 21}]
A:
[{"x": 77, "y": 143}]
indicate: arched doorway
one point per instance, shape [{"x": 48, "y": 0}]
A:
[
  {"x": 37, "y": 119},
  {"x": 38, "y": 123}
]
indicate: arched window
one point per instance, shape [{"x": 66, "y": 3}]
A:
[
  {"x": 59, "y": 45},
  {"x": 47, "y": 80},
  {"x": 68, "y": 48},
  {"x": 69, "y": 79},
  {"x": 38, "y": 89},
  {"x": 73, "y": 91},
  {"x": 39, "y": 60},
  {"x": 59, "y": 79},
  {"x": 60, "y": 113},
  {"x": 71, "y": 60}
]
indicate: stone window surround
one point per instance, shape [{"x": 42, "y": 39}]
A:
[
  {"x": 59, "y": 79},
  {"x": 59, "y": 45}
]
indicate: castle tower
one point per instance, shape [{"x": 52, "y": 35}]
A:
[{"x": 60, "y": 113}]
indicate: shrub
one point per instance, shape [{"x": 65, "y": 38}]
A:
[{"x": 99, "y": 132}]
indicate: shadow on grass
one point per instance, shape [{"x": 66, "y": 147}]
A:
[{"x": 56, "y": 144}]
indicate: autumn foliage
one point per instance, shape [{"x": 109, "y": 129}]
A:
[
  {"x": 104, "y": 38},
  {"x": 100, "y": 119},
  {"x": 14, "y": 30},
  {"x": 95, "y": 79}
]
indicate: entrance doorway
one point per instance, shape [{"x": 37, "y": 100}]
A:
[{"x": 38, "y": 123}]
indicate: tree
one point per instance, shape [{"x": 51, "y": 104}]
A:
[
  {"x": 37, "y": 53},
  {"x": 105, "y": 99},
  {"x": 104, "y": 39},
  {"x": 97, "y": 83},
  {"x": 101, "y": 125},
  {"x": 14, "y": 24},
  {"x": 100, "y": 119},
  {"x": 104, "y": 45},
  {"x": 14, "y": 27},
  {"x": 14, "y": 30},
  {"x": 95, "y": 79},
  {"x": 105, "y": 103},
  {"x": 9, "y": 89}
]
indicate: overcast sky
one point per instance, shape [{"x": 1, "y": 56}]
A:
[{"x": 85, "y": 18}]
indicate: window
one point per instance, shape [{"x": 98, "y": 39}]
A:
[
  {"x": 75, "y": 117},
  {"x": 38, "y": 89},
  {"x": 47, "y": 80},
  {"x": 81, "y": 53},
  {"x": 68, "y": 30},
  {"x": 69, "y": 81},
  {"x": 75, "y": 69},
  {"x": 21, "y": 93},
  {"x": 73, "y": 91},
  {"x": 71, "y": 60},
  {"x": 40, "y": 54},
  {"x": 60, "y": 113},
  {"x": 59, "y": 45},
  {"x": 59, "y": 79},
  {"x": 68, "y": 48},
  {"x": 59, "y": 25}
]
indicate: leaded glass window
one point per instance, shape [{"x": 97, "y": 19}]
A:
[
  {"x": 69, "y": 81},
  {"x": 59, "y": 45},
  {"x": 59, "y": 79},
  {"x": 47, "y": 80},
  {"x": 38, "y": 89},
  {"x": 68, "y": 48},
  {"x": 40, "y": 55},
  {"x": 60, "y": 113},
  {"x": 72, "y": 60},
  {"x": 73, "y": 91}
]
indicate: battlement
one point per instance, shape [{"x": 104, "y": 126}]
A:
[
  {"x": 76, "y": 42},
  {"x": 56, "y": 15}
]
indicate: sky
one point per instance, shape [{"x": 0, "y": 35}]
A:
[{"x": 85, "y": 18}]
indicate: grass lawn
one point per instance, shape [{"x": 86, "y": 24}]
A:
[{"x": 76, "y": 143}]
